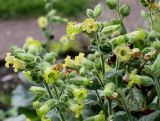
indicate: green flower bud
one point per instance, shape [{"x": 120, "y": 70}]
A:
[
  {"x": 112, "y": 4},
  {"x": 50, "y": 57},
  {"x": 26, "y": 57},
  {"x": 118, "y": 40},
  {"x": 47, "y": 106},
  {"x": 125, "y": 10},
  {"x": 77, "y": 109},
  {"x": 144, "y": 3},
  {"x": 37, "y": 90},
  {"x": 99, "y": 117},
  {"x": 36, "y": 104},
  {"x": 98, "y": 10},
  {"x": 110, "y": 29},
  {"x": 78, "y": 80},
  {"x": 109, "y": 89},
  {"x": 142, "y": 80},
  {"x": 105, "y": 48},
  {"x": 90, "y": 13},
  {"x": 156, "y": 45}
]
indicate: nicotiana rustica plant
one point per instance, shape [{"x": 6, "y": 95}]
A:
[{"x": 118, "y": 81}]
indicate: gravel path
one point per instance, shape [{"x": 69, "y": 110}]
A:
[{"x": 15, "y": 32}]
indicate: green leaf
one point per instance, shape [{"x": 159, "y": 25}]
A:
[{"x": 150, "y": 117}]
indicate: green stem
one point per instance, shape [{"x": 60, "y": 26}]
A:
[
  {"x": 126, "y": 108},
  {"x": 51, "y": 96},
  {"x": 121, "y": 18},
  {"x": 151, "y": 19},
  {"x": 101, "y": 103},
  {"x": 109, "y": 107}
]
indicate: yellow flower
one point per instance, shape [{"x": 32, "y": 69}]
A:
[
  {"x": 8, "y": 59},
  {"x": 89, "y": 25},
  {"x": 68, "y": 62},
  {"x": 80, "y": 59},
  {"x": 32, "y": 46},
  {"x": 42, "y": 22},
  {"x": 134, "y": 79},
  {"x": 73, "y": 29},
  {"x": 18, "y": 64},
  {"x": 80, "y": 94},
  {"x": 50, "y": 75},
  {"x": 123, "y": 53},
  {"x": 77, "y": 109},
  {"x": 27, "y": 74}
]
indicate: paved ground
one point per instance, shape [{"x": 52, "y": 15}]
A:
[{"x": 15, "y": 32}]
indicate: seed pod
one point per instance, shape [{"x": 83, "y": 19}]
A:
[
  {"x": 125, "y": 10},
  {"x": 98, "y": 10},
  {"x": 112, "y": 4},
  {"x": 109, "y": 29},
  {"x": 144, "y": 3},
  {"x": 106, "y": 48},
  {"x": 146, "y": 81}
]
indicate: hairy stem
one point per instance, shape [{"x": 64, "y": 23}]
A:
[{"x": 157, "y": 86}]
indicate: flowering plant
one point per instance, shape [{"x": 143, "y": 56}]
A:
[{"x": 118, "y": 81}]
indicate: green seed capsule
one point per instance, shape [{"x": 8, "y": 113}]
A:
[
  {"x": 144, "y": 3},
  {"x": 125, "y": 10},
  {"x": 90, "y": 13},
  {"x": 112, "y": 4},
  {"x": 146, "y": 81}
]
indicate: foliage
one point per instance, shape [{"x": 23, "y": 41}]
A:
[{"x": 119, "y": 80}]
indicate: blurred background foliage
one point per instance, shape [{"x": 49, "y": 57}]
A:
[{"x": 13, "y": 9}]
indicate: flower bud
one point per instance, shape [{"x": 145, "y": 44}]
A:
[
  {"x": 125, "y": 10},
  {"x": 37, "y": 90},
  {"x": 98, "y": 10},
  {"x": 109, "y": 89},
  {"x": 26, "y": 57},
  {"x": 118, "y": 40},
  {"x": 112, "y": 4},
  {"x": 36, "y": 104},
  {"x": 47, "y": 106},
  {"x": 99, "y": 117},
  {"x": 146, "y": 81},
  {"x": 50, "y": 57},
  {"x": 111, "y": 28},
  {"x": 90, "y": 13},
  {"x": 77, "y": 109},
  {"x": 156, "y": 45}
]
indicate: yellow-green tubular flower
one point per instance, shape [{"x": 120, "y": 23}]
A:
[
  {"x": 47, "y": 106},
  {"x": 68, "y": 62},
  {"x": 73, "y": 29},
  {"x": 118, "y": 40},
  {"x": 111, "y": 28},
  {"x": 138, "y": 38},
  {"x": 99, "y": 117},
  {"x": 17, "y": 64},
  {"x": 156, "y": 45},
  {"x": 89, "y": 25},
  {"x": 112, "y": 4},
  {"x": 37, "y": 90},
  {"x": 137, "y": 79},
  {"x": 123, "y": 53},
  {"x": 79, "y": 93},
  {"x": 80, "y": 59},
  {"x": 42, "y": 22},
  {"x": 109, "y": 89},
  {"x": 32, "y": 46},
  {"x": 77, "y": 109},
  {"x": 50, "y": 75}
]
